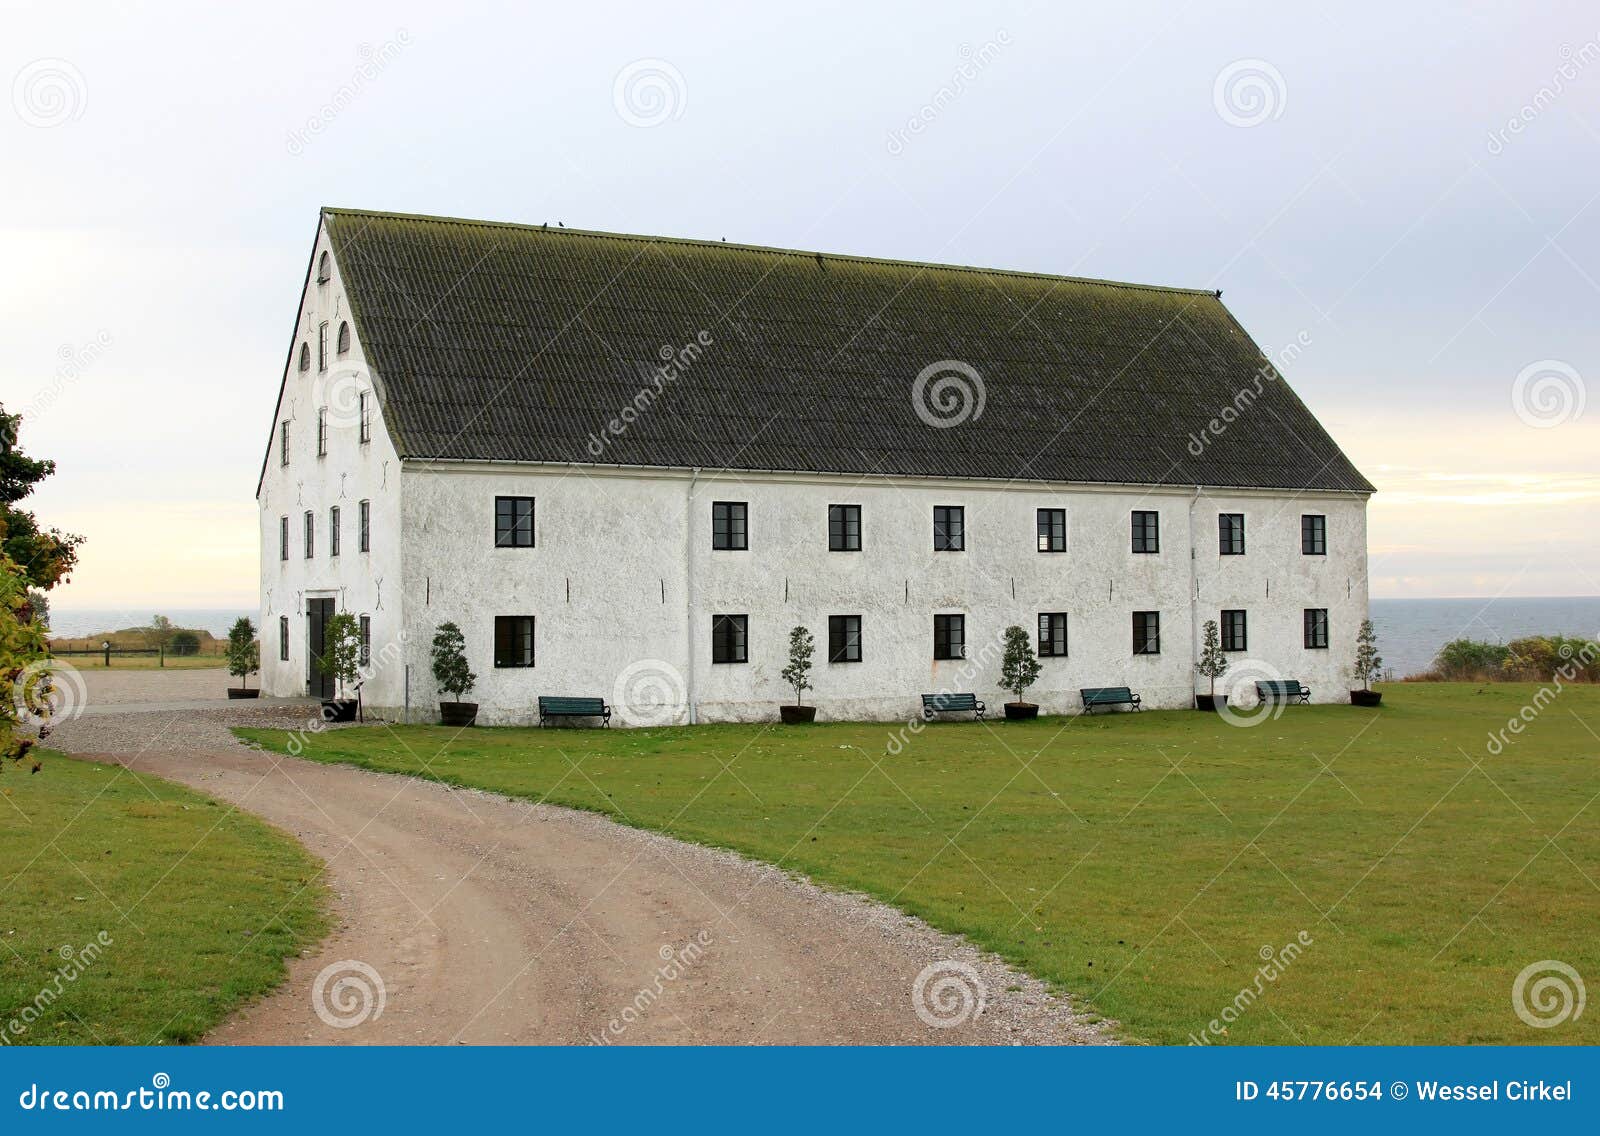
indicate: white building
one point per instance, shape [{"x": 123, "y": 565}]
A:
[{"x": 626, "y": 467}]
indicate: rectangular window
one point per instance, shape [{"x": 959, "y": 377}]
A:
[
  {"x": 1147, "y": 633},
  {"x": 728, "y": 638},
  {"x": 333, "y": 531},
  {"x": 1230, "y": 534},
  {"x": 364, "y": 526},
  {"x": 1316, "y": 628},
  {"x": 513, "y": 640},
  {"x": 322, "y": 432},
  {"x": 283, "y": 638},
  {"x": 1314, "y": 535},
  {"x": 283, "y": 443},
  {"x": 1233, "y": 631},
  {"x": 1053, "y": 634},
  {"x": 728, "y": 530},
  {"x": 513, "y": 522},
  {"x": 844, "y": 528},
  {"x": 283, "y": 538},
  {"x": 1146, "y": 530},
  {"x": 949, "y": 636},
  {"x": 949, "y": 529},
  {"x": 844, "y": 638},
  {"x": 322, "y": 346},
  {"x": 311, "y": 533},
  {"x": 1052, "y": 530},
  {"x": 366, "y": 640},
  {"x": 364, "y": 415}
]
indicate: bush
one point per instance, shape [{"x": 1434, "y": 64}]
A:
[
  {"x": 450, "y": 671},
  {"x": 184, "y": 643},
  {"x": 1533, "y": 658},
  {"x": 1471, "y": 659}
]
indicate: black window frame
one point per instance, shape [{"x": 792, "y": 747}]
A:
[
  {"x": 1047, "y": 635},
  {"x": 949, "y": 636},
  {"x": 1315, "y": 620},
  {"x": 509, "y": 628},
  {"x": 946, "y": 539},
  {"x": 305, "y": 357},
  {"x": 365, "y": 627},
  {"x": 1234, "y": 629},
  {"x": 333, "y": 530},
  {"x": 322, "y": 431},
  {"x": 730, "y": 525},
  {"x": 364, "y": 416},
  {"x": 322, "y": 347},
  {"x": 364, "y": 526},
  {"x": 283, "y": 638},
  {"x": 509, "y": 535},
  {"x": 844, "y": 634},
  {"x": 844, "y": 528},
  {"x": 324, "y": 274},
  {"x": 310, "y": 534},
  {"x": 1313, "y": 534},
  {"x": 283, "y": 443},
  {"x": 1230, "y": 534},
  {"x": 1146, "y": 531},
  {"x": 341, "y": 342},
  {"x": 283, "y": 537},
  {"x": 730, "y": 639},
  {"x": 1147, "y": 633},
  {"x": 1051, "y": 529}
]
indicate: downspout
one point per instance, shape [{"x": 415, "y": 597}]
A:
[
  {"x": 1194, "y": 599},
  {"x": 688, "y": 590}
]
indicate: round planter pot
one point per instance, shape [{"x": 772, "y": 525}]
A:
[
  {"x": 1021, "y": 711},
  {"x": 339, "y": 709},
  {"x": 239, "y": 692},
  {"x": 1211, "y": 702},
  {"x": 458, "y": 713},
  {"x": 796, "y": 715},
  {"x": 1365, "y": 697}
]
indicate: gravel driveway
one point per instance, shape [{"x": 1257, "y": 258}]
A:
[{"x": 464, "y": 917}]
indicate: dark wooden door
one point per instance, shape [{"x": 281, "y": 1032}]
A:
[{"x": 318, "y": 612}]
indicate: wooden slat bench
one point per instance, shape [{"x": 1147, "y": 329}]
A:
[
  {"x": 574, "y": 708},
  {"x": 1107, "y": 696},
  {"x": 951, "y": 704},
  {"x": 1283, "y": 690}
]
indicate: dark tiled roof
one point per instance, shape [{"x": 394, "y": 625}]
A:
[{"x": 519, "y": 343}]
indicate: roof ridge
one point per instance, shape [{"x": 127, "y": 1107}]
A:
[{"x": 811, "y": 253}]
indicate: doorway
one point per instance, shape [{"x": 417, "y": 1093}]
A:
[{"x": 318, "y": 612}]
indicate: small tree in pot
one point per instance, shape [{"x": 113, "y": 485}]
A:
[
  {"x": 1213, "y": 665},
  {"x": 452, "y": 675},
  {"x": 1019, "y": 669},
  {"x": 341, "y": 661},
  {"x": 244, "y": 657},
  {"x": 1369, "y": 664},
  {"x": 798, "y": 675}
]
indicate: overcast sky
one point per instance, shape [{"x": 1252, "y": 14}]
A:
[{"x": 1346, "y": 175}]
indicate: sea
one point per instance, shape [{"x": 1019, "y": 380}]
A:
[{"x": 1410, "y": 632}]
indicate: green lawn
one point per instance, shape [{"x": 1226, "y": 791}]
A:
[
  {"x": 1143, "y": 862},
  {"x": 133, "y": 911}
]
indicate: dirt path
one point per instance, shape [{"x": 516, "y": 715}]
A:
[{"x": 490, "y": 921}]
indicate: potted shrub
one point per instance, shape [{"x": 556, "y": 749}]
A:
[
  {"x": 244, "y": 657},
  {"x": 452, "y": 675},
  {"x": 1213, "y": 665},
  {"x": 341, "y": 661},
  {"x": 798, "y": 675},
  {"x": 1369, "y": 664},
  {"x": 1019, "y": 669}
]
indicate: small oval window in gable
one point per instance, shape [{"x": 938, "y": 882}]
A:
[
  {"x": 305, "y": 356},
  {"x": 344, "y": 339},
  {"x": 324, "y": 272}
]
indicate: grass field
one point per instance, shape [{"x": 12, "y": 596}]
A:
[
  {"x": 133, "y": 911},
  {"x": 146, "y": 662},
  {"x": 1146, "y": 862}
]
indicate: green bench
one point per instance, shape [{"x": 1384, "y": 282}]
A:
[
  {"x": 574, "y": 708},
  {"x": 951, "y": 704},
  {"x": 1107, "y": 696},
  {"x": 1283, "y": 690}
]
